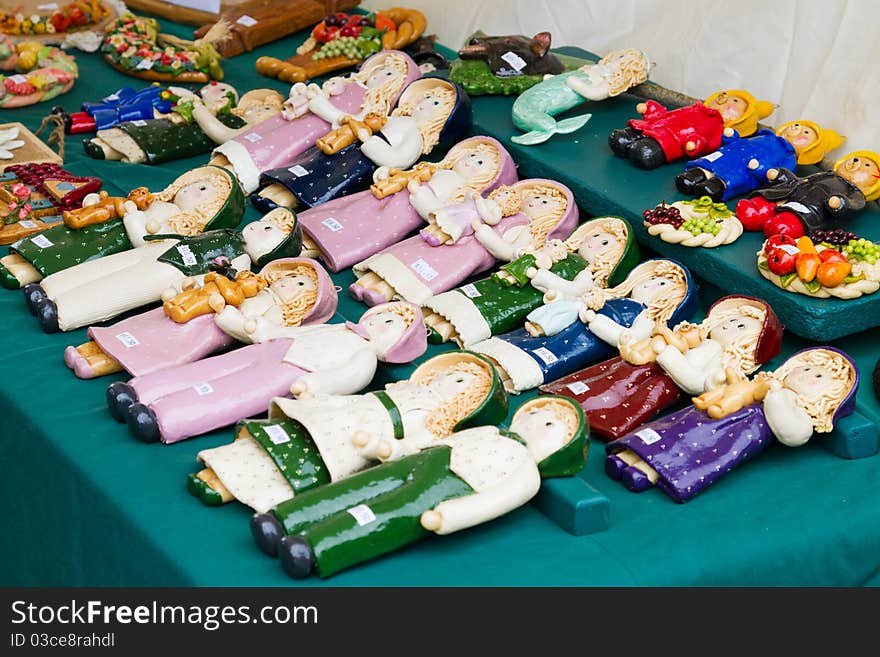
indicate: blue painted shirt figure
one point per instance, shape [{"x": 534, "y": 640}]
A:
[{"x": 738, "y": 167}]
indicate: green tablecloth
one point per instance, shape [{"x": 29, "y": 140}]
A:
[{"x": 85, "y": 504}]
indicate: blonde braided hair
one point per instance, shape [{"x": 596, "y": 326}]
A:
[
  {"x": 294, "y": 311},
  {"x": 443, "y": 420},
  {"x": 193, "y": 223},
  {"x": 430, "y": 131},
  {"x": 379, "y": 100},
  {"x": 740, "y": 352},
  {"x": 661, "y": 308},
  {"x": 604, "y": 262},
  {"x": 629, "y": 67}
]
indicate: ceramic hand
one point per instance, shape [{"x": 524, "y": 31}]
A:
[
  {"x": 587, "y": 315},
  {"x": 371, "y": 447},
  {"x": 431, "y": 520},
  {"x": 332, "y": 87},
  {"x": 300, "y": 390}
]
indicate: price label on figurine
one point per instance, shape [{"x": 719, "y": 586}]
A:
[
  {"x": 470, "y": 290},
  {"x": 578, "y": 387},
  {"x": 276, "y": 434},
  {"x": 49, "y": 6},
  {"x": 112, "y": 97},
  {"x": 189, "y": 258},
  {"x": 27, "y": 224},
  {"x": 363, "y": 514},
  {"x": 298, "y": 171},
  {"x": 145, "y": 65},
  {"x": 42, "y": 241},
  {"x": 711, "y": 157},
  {"x": 203, "y": 389},
  {"x": 18, "y": 79},
  {"x": 648, "y": 436},
  {"x": 127, "y": 339},
  {"x": 546, "y": 355},
  {"x": 790, "y": 249},
  {"x": 247, "y": 21},
  {"x": 423, "y": 269},
  {"x": 332, "y": 224},
  {"x": 253, "y": 137},
  {"x": 517, "y": 62},
  {"x": 139, "y": 122}
]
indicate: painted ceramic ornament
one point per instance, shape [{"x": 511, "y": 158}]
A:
[
  {"x": 504, "y": 64},
  {"x": 468, "y": 239},
  {"x": 701, "y": 222},
  {"x": 310, "y": 112},
  {"x": 124, "y": 104},
  {"x": 33, "y": 196},
  {"x": 741, "y": 165},
  {"x": 599, "y": 253},
  {"x": 31, "y": 72},
  {"x": 133, "y": 46},
  {"x": 288, "y": 291},
  {"x": 431, "y": 112},
  {"x": 55, "y": 22},
  {"x": 738, "y": 335},
  {"x": 195, "y": 125},
  {"x": 341, "y": 41},
  {"x": 573, "y": 335},
  {"x": 822, "y": 269},
  {"x": 473, "y": 476},
  {"x": 351, "y": 228},
  {"x": 821, "y": 201},
  {"x": 662, "y": 135},
  {"x": 534, "y": 110},
  {"x": 689, "y": 450}
]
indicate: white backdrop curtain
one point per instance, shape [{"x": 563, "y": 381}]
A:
[{"x": 815, "y": 59}]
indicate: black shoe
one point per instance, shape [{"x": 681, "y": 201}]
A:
[
  {"x": 142, "y": 423},
  {"x": 647, "y": 153},
  {"x": 47, "y": 315},
  {"x": 267, "y": 533},
  {"x": 262, "y": 203},
  {"x": 120, "y": 396},
  {"x": 93, "y": 150},
  {"x": 33, "y": 295},
  {"x": 297, "y": 557},
  {"x": 714, "y": 188},
  {"x": 688, "y": 181},
  {"x": 620, "y": 140}
]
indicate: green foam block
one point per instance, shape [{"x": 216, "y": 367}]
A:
[
  {"x": 574, "y": 505},
  {"x": 854, "y": 437}
]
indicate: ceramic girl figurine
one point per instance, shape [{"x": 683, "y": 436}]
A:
[
  {"x": 656, "y": 293},
  {"x": 599, "y": 253},
  {"x": 662, "y": 135},
  {"x": 430, "y": 112},
  {"x": 310, "y": 112},
  {"x": 309, "y": 441},
  {"x": 176, "y": 404},
  {"x": 534, "y": 109},
  {"x": 504, "y": 225},
  {"x": 177, "y": 135},
  {"x": 820, "y": 201},
  {"x": 472, "y": 477},
  {"x": 349, "y": 229},
  {"x": 108, "y": 226},
  {"x": 738, "y": 335},
  {"x": 687, "y": 451}
]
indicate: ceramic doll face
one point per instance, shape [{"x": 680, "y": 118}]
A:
[
  {"x": 597, "y": 242},
  {"x": 384, "y": 329},
  {"x": 809, "y": 381},
  {"x": 452, "y": 383},
  {"x": 647, "y": 290},
  {"x": 542, "y": 430},
  {"x": 190, "y": 197},
  {"x": 431, "y": 106},
  {"x": 288, "y": 288},
  {"x": 214, "y": 94},
  {"x": 257, "y": 110},
  {"x": 734, "y": 327},
  {"x": 540, "y": 205},
  {"x": 860, "y": 171},
  {"x": 731, "y": 107},
  {"x": 380, "y": 76},
  {"x": 260, "y": 237},
  {"x": 800, "y": 136},
  {"x": 474, "y": 165}
]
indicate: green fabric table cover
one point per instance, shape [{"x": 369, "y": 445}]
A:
[{"x": 86, "y": 504}]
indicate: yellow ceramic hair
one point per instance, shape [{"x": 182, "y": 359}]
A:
[
  {"x": 873, "y": 192},
  {"x": 756, "y": 110},
  {"x": 826, "y": 141}
]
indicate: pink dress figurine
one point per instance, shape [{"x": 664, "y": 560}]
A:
[
  {"x": 338, "y": 359},
  {"x": 502, "y": 227},
  {"x": 349, "y": 229},
  {"x": 311, "y": 112}
]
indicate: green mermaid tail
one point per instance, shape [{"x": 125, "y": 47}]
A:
[
  {"x": 563, "y": 127},
  {"x": 534, "y": 109}
]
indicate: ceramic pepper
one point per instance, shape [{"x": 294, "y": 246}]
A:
[
  {"x": 351, "y": 228},
  {"x": 499, "y": 227},
  {"x": 689, "y": 450},
  {"x": 534, "y": 110},
  {"x": 738, "y": 335},
  {"x": 430, "y": 112},
  {"x": 663, "y": 135},
  {"x": 796, "y": 206},
  {"x": 471, "y": 477},
  {"x": 310, "y": 112},
  {"x": 655, "y": 293}
]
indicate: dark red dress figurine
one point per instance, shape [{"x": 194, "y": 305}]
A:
[{"x": 663, "y": 135}]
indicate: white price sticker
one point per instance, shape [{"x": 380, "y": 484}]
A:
[
  {"x": 127, "y": 339},
  {"x": 139, "y": 123},
  {"x": 27, "y": 224},
  {"x": 42, "y": 241},
  {"x": 18, "y": 79},
  {"x": 247, "y": 21},
  {"x": 276, "y": 434},
  {"x": 648, "y": 436},
  {"x": 203, "y": 389},
  {"x": 362, "y": 513},
  {"x": 517, "y": 62},
  {"x": 253, "y": 137},
  {"x": 332, "y": 224},
  {"x": 546, "y": 355},
  {"x": 49, "y": 6},
  {"x": 112, "y": 97},
  {"x": 711, "y": 157},
  {"x": 298, "y": 171},
  {"x": 470, "y": 290},
  {"x": 578, "y": 387},
  {"x": 188, "y": 258},
  {"x": 145, "y": 64},
  {"x": 790, "y": 249},
  {"x": 423, "y": 269}
]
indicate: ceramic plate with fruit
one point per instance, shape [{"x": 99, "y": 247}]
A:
[
  {"x": 700, "y": 222},
  {"x": 834, "y": 263}
]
